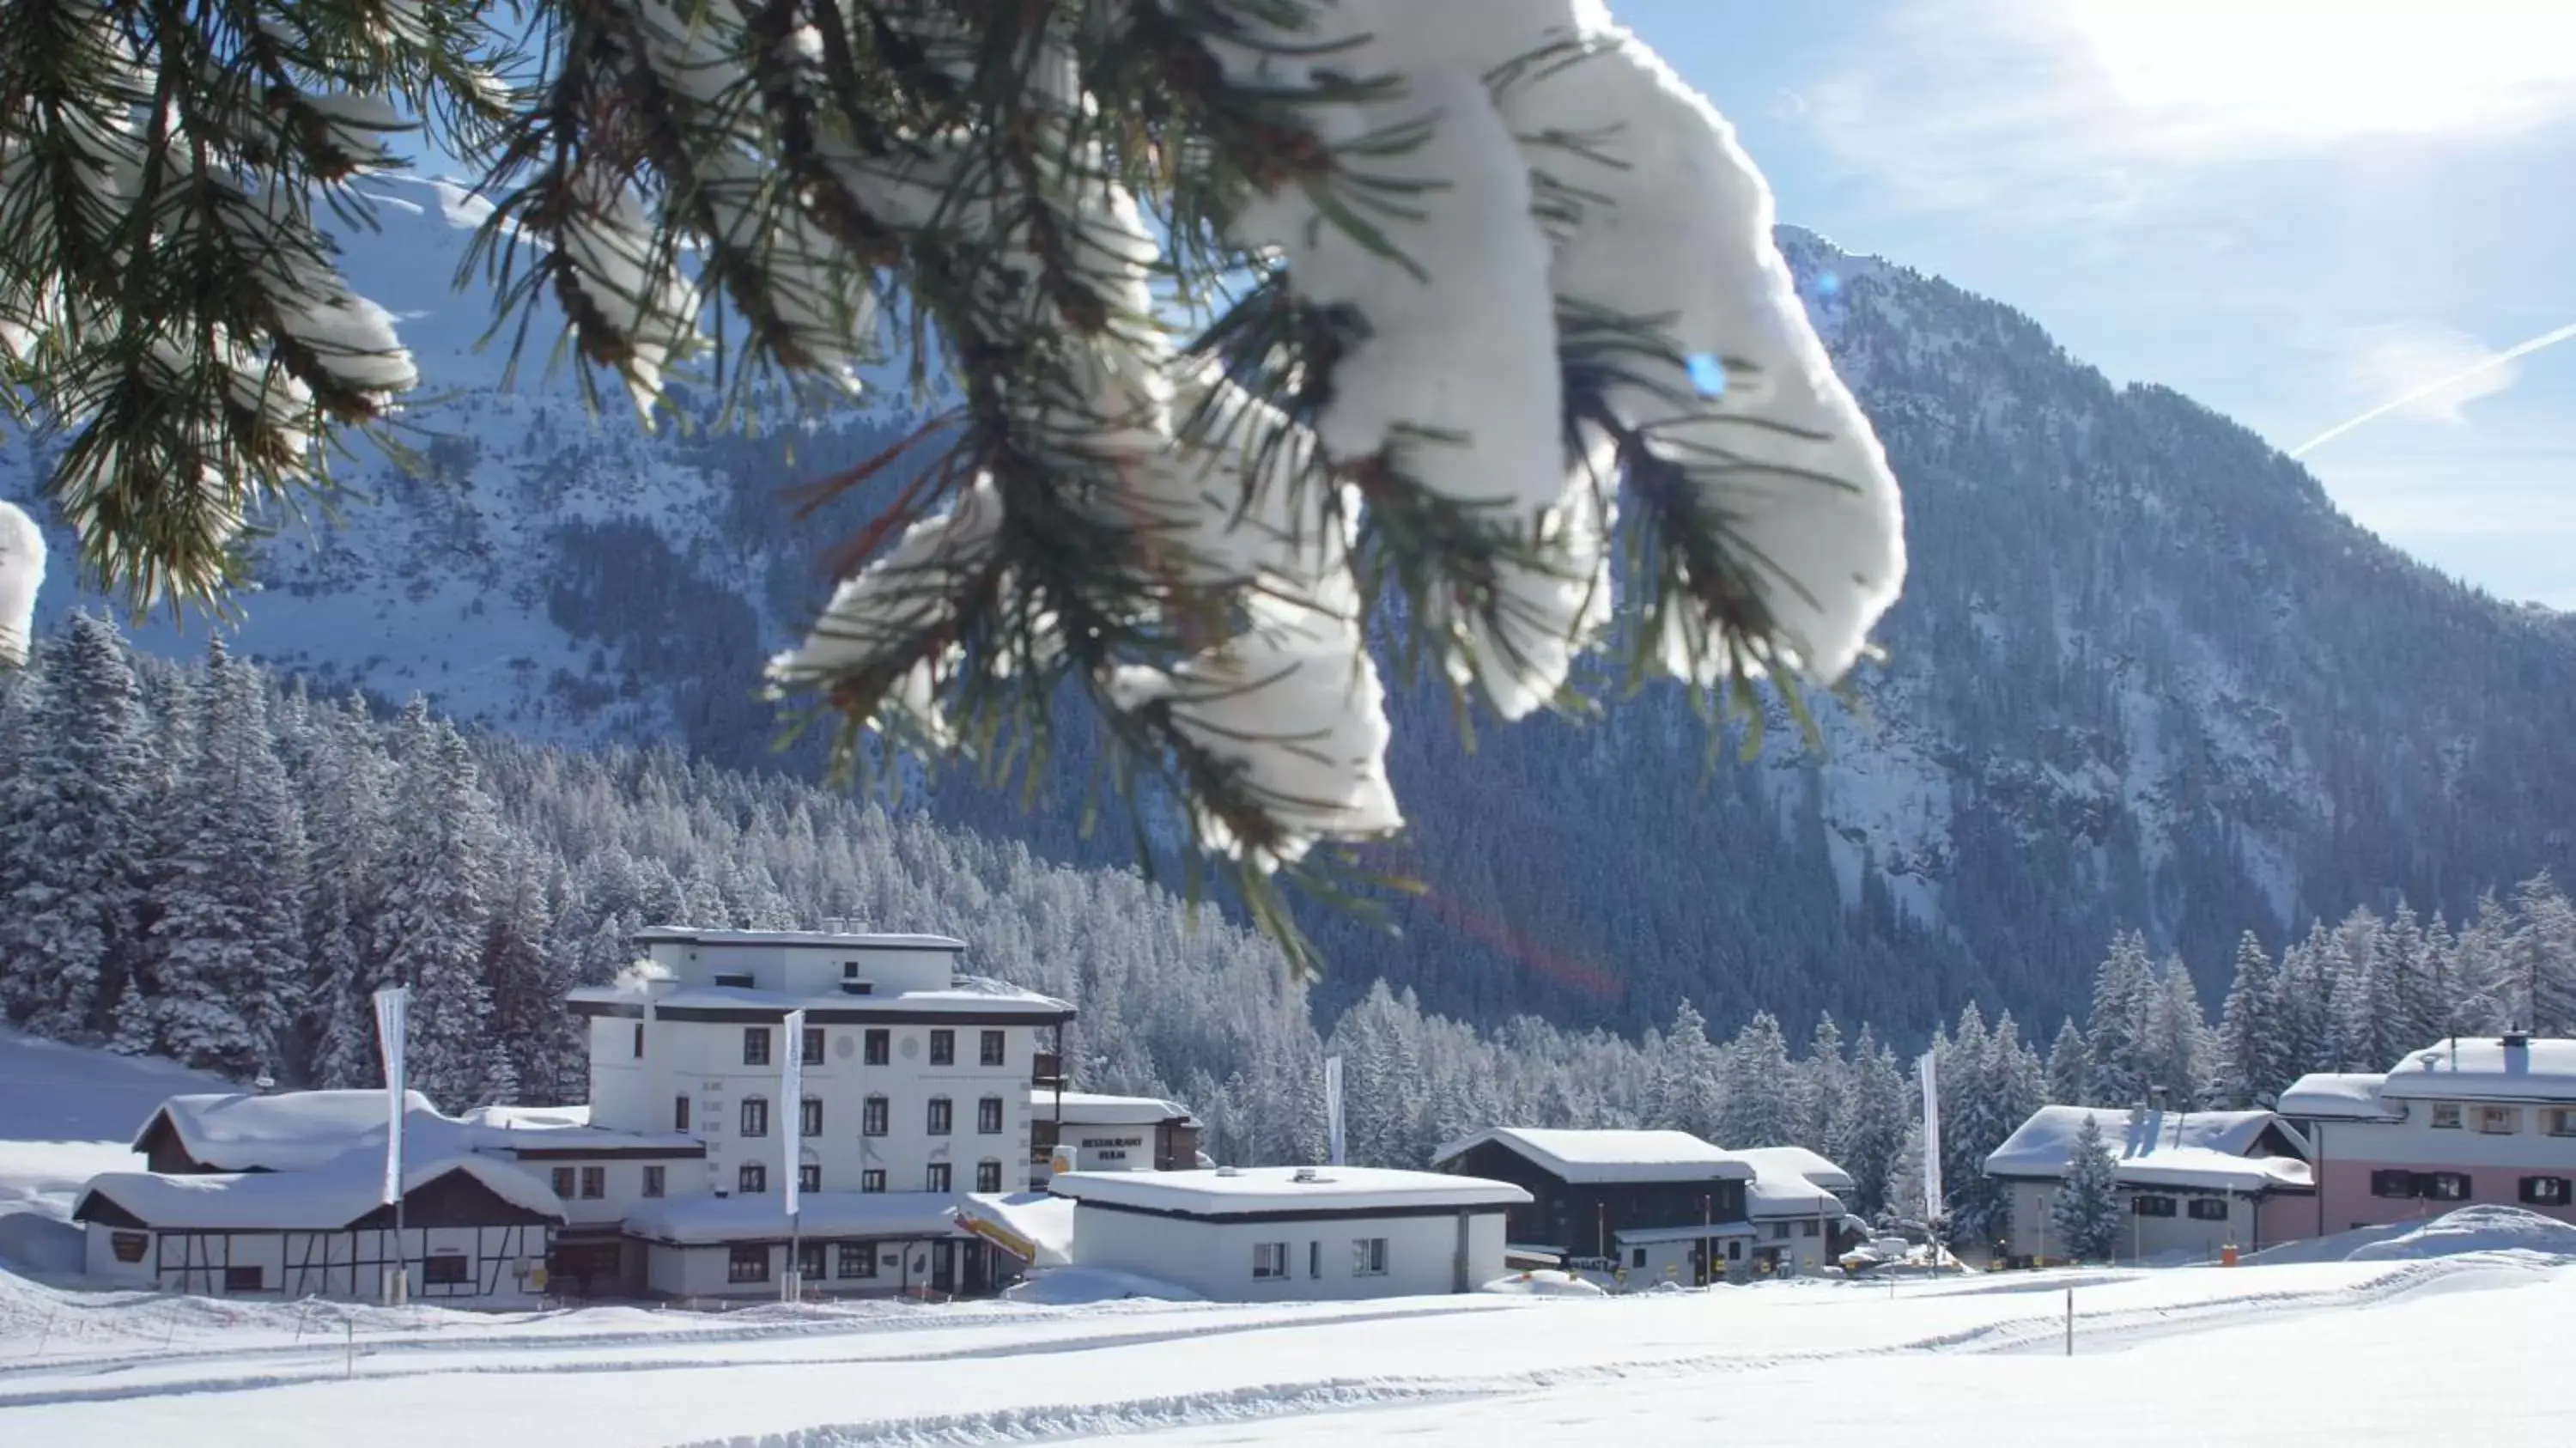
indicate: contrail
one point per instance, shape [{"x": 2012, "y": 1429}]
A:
[{"x": 2545, "y": 339}]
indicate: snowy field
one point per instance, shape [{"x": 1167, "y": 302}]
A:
[{"x": 2441, "y": 1335}]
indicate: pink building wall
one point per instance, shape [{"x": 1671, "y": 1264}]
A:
[{"x": 2344, "y": 1189}]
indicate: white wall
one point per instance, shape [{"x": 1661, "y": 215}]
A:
[
  {"x": 1215, "y": 1258},
  {"x": 315, "y": 1264},
  {"x": 807, "y": 969},
  {"x": 2032, "y": 1236},
  {"x": 622, "y": 1186},
  {"x": 707, "y": 1271}
]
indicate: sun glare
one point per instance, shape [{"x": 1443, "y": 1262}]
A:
[{"x": 2320, "y": 71}]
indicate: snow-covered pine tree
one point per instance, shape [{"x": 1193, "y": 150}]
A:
[
  {"x": 2417, "y": 964},
  {"x": 1877, "y": 1110},
  {"x": 1688, "y": 1094},
  {"x": 2250, "y": 1064},
  {"x": 348, "y": 795},
  {"x": 2177, "y": 1046},
  {"x": 1823, "y": 1080},
  {"x": 2544, "y": 955},
  {"x": 2084, "y": 1213},
  {"x": 439, "y": 898},
  {"x": 2070, "y": 1067},
  {"x": 1754, "y": 1087},
  {"x": 2301, "y": 1014},
  {"x": 1182, "y": 534},
  {"x": 68, "y": 932},
  {"x": 2115, "y": 1040}
]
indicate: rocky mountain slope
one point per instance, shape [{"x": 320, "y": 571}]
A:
[{"x": 2144, "y": 673}]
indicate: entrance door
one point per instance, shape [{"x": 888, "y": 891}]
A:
[
  {"x": 978, "y": 1270},
  {"x": 943, "y": 1267}
]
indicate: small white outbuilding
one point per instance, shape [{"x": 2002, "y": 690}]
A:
[{"x": 1279, "y": 1234}]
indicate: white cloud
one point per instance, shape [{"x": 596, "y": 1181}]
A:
[
  {"x": 2075, "y": 109},
  {"x": 2402, "y": 359}
]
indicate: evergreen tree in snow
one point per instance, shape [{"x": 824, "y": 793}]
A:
[
  {"x": 2544, "y": 957},
  {"x": 2084, "y": 1216},
  {"x": 1688, "y": 1094},
  {"x": 1871, "y": 1135},
  {"x": 1823, "y": 1080},
  {"x": 75, "y": 861},
  {"x": 347, "y": 786},
  {"x": 2251, "y": 1065},
  {"x": 2116, "y": 1039},
  {"x": 1755, "y": 1086},
  {"x": 2070, "y": 1067},
  {"x": 439, "y": 899},
  {"x": 2175, "y": 1057}
]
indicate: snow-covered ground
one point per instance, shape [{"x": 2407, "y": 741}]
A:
[{"x": 2433, "y": 1334}]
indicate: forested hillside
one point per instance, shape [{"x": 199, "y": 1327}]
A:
[{"x": 195, "y": 863}]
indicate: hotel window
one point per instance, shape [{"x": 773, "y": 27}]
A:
[
  {"x": 1637, "y": 1260},
  {"x": 747, "y": 1263},
  {"x": 755, "y": 1045},
  {"x": 679, "y": 1113},
  {"x": 2446, "y": 1115},
  {"x": 880, "y": 1047},
  {"x": 988, "y": 1176},
  {"x": 1779, "y": 1231},
  {"x": 244, "y": 1279},
  {"x": 809, "y": 1260},
  {"x": 755, "y": 1116},
  {"x": 563, "y": 1182},
  {"x": 2545, "y": 1191},
  {"x": 753, "y": 1179},
  {"x": 943, "y": 1048},
  {"x": 813, "y": 1046},
  {"x": 2209, "y": 1209},
  {"x": 2446, "y": 1186},
  {"x": 2499, "y": 1120},
  {"x": 1368, "y": 1257},
  {"x": 872, "y": 1179},
  {"x": 858, "y": 1259},
  {"x": 809, "y": 1177},
  {"x": 446, "y": 1269},
  {"x": 872, "y": 1116},
  {"x": 2152, "y": 1206},
  {"x": 653, "y": 1181},
  {"x": 940, "y": 1115},
  {"x": 594, "y": 1182},
  {"x": 991, "y": 1050},
  {"x": 639, "y": 1040},
  {"x": 2395, "y": 1184},
  {"x": 809, "y": 1116},
  {"x": 1269, "y": 1259},
  {"x": 2559, "y": 1121},
  {"x": 988, "y": 1116},
  {"x": 938, "y": 1177}
]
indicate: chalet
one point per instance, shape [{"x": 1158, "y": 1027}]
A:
[
  {"x": 2193, "y": 1181},
  {"x": 473, "y": 1228},
  {"x": 1278, "y": 1234},
  {"x": 2464, "y": 1121},
  {"x": 1622, "y": 1204}
]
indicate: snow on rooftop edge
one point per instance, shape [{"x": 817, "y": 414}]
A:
[
  {"x": 708, "y": 1220},
  {"x": 325, "y": 1198},
  {"x": 1583, "y": 1156},
  {"x": 2483, "y": 1068},
  {"x": 2157, "y": 1148},
  {"x": 2345, "y": 1095},
  {"x": 1234, "y": 1191},
  {"x": 864, "y": 940}
]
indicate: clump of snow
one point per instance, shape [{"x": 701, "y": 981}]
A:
[
  {"x": 1543, "y": 1282},
  {"x": 22, "y": 572},
  {"x": 1082, "y": 1286},
  {"x": 641, "y": 977},
  {"x": 2474, "y": 1229}
]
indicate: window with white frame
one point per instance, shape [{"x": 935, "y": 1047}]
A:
[
  {"x": 872, "y": 1179},
  {"x": 872, "y": 1116},
  {"x": 943, "y": 1047},
  {"x": 1368, "y": 1257},
  {"x": 941, "y": 1115},
  {"x": 755, "y": 1116},
  {"x": 991, "y": 1049},
  {"x": 755, "y": 1045},
  {"x": 809, "y": 1177},
  {"x": 988, "y": 1175},
  {"x": 2446, "y": 1115},
  {"x": 1269, "y": 1259},
  {"x": 858, "y": 1259},
  {"x": 2499, "y": 1120},
  {"x": 594, "y": 1182},
  {"x": 752, "y": 1179},
  {"x": 811, "y": 1048},
  {"x": 938, "y": 1176},
  {"x": 988, "y": 1116}
]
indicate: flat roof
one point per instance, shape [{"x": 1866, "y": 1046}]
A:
[
  {"x": 707, "y": 1220},
  {"x": 1260, "y": 1190},
  {"x": 1593, "y": 1157},
  {"x": 967, "y": 997},
  {"x": 824, "y": 939},
  {"x": 2484, "y": 1068}
]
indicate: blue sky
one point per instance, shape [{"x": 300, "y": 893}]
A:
[{"x": 2292, "y": 210}]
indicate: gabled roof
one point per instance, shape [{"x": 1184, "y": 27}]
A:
[
  {"x": 326, "y": 1198},
  {"x": 2214, "y": 1150},
  {"x": 241, "y": 1131},
  {"x": 1595, "y": 1157},
  {"x": 2486, "y": 1069},
  {"x": 1241, "y": 1191},
  {"x": 1795, "y": 1162}
]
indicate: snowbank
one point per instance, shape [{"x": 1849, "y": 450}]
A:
[
  {"x": 2474, "y": 1229},
  {"x": 1082, "y": 1286},
  {"x": 1543, "y": 1283}
]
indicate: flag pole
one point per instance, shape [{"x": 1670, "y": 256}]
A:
[
  {"x": 791, "y": 1130},
  {"x": 393, "y": 1010}
]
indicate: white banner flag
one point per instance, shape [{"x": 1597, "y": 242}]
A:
[
  {"x": 1333, "y": 1106},
  {"x": 393, "y": 1010},
  {"x": 791, "y": 1097},
  {"x": 1932, "y": 1194}
]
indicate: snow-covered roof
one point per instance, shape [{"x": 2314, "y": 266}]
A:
[
  {"x": 2338, "y": 1096},
  {"x": 1235, "y": 1191},
  {"x": 1795, "y": 1161},
  {"x": 241, "y": 1131},
  {"x": 1610, "y": 1156},
  {"x": 328, "y": 1197},
  {"x": 705, "y": 1220},
  {"x": 2207, "y": 1149},
  {"x": 1088, "y": 1106},
  {"x": 297, "y": 1131},
  {"x": 1036, "y": 1226},
  {"x": 1772, "y": 1195},
  {"x": 831, "y": 939},
  {"x": 2486, "y": 1069},
  {"x": 964, "y": 995}
]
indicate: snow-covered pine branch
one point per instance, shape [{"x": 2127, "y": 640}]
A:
[{"x": 22, "y": 573}]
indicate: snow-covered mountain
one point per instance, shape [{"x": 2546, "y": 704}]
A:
[{"x": 2143, "y": 673}]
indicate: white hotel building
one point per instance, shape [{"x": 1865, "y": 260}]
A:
[{"x": 916, "y": 1087}]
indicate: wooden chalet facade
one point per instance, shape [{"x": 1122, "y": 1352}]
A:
[{"x": 1586, "y": 1188}]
